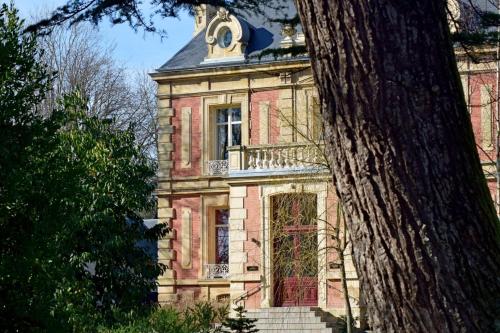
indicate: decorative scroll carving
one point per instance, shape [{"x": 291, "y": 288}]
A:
[
  {"x": 240, "y": 32},
  {"x": 288, "y": 30},
  {"x": 218, "y": 167},
  {"x": 217, "y": 271},
  {"x": 223, "y": 14}
]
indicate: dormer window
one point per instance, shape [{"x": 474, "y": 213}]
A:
[{"x": 225, "y": 37}]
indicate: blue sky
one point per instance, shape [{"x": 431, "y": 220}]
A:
[{"x": 135, "y": 50}]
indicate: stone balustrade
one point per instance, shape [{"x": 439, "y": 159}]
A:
[
  {"x": 259, "y": 159},
  {"x": 277, "y": 157},
  {"x": 283, "y": 156}
]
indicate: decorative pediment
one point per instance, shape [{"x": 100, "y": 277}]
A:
[{"x": 227, "y": 38}]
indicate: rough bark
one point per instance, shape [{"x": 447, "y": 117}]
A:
[{"x": 400, "y": 143}]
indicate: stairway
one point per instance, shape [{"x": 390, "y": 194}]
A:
[{"x": 293, "y": 320}]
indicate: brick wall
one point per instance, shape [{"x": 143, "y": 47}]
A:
[
  {"x": 253, "y": 302},
  {"x": 252, "y": 227},
  {"x": 478, "y": 81},
  {"x": 256, "y": 100},
  {"x": 194, "y": 104},
  {"x": 193, "y": 203}
]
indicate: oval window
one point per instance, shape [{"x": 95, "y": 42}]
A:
[{"x": 225, "y": 37}]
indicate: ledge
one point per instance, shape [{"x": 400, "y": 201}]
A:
[{"x": 275, "y": 172}]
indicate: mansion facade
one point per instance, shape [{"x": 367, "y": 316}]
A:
[{"x": 243, "y": 182}]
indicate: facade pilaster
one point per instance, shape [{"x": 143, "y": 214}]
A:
[
  {"x": 237, "y": 236},
  {"x": 167, "y": 281}
]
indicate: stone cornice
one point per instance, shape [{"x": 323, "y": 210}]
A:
[{"x": 236, "y": 70}]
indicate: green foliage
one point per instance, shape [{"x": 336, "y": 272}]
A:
[
  {"x": 277, "y": 53},
  {"x": 70, "y": 187},
  {"x": 202, "y": 317},
  {"x": 476, "y": 27},
  {"x": 240, "y": 324},
  {"x": 126, "y": 11}
]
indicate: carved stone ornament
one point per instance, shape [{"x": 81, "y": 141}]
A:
[
  {"x": 223, "y": 14},
  {"x": 288, "y": 30},
  {"x": 227, "y": 38}
]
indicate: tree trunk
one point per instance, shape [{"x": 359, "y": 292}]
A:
[{"x": 400, "y": 143}]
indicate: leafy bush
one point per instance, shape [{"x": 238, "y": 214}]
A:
[
  {"x": 70, "y": 189},
  {"x": 201, "y": 317}
]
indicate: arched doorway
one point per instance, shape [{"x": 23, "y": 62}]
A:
[{"x": 295, "y": 249}]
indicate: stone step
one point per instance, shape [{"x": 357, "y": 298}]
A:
[
  {"x": 294, "y": 309},
  {"x": 295, "y": 326},
  {"x": 311, "y": 320},
  {"x": 322, "y": 330},
  {"x": 293, "y": 319},
  {"x": 259, "y": 315}
]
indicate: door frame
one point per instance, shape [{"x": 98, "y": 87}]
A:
[
  {"x": 266, "y": 192},
  {"x": 295, "y": 232}
]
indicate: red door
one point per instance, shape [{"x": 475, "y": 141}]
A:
[{"x": 295, "y": 250}]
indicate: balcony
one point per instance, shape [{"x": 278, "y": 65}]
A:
[
  {"x": 264, "y": 160},
  {"x": 216, "y": 271}
]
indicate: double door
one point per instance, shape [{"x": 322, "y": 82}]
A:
[{"x": 295, "y": 250}]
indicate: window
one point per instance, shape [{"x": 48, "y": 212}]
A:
[
  {"x": 228, "y": 131},
  {"x": 221, "y": 236},
  {"x": 225, "y": 37}
]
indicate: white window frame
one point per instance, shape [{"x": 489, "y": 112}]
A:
[{"x": 229, "y": 124}]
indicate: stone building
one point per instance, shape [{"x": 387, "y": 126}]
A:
[{"x": 240, "y": 152}]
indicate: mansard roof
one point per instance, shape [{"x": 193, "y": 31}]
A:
[{"x": 263, "y": 35}]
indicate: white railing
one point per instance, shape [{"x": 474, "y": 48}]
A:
[
  {"x": 217, "y": 271},
  {"x": 218, "y": 167},
  {"x": 283, "y": 156}
]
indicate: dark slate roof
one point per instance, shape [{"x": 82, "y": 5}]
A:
[
  {"x": 190, "y": 56},
  {"x": 263, "y": 35}
]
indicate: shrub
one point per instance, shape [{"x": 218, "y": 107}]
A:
[
  {"x": 200, "y": 317},
  {"x": 240, "y": 324}
]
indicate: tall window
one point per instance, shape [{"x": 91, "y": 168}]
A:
[
  {"x": 228, "y": 131},
  {"x": 221, "y": 236}
]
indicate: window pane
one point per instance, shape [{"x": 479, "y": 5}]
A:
[
  {"x": 221, "y": 151},
  {"x": 222, "y": 245},
  {"x": 222, "y": 116},
  {"x": 295, "y": 209},
  {"x": 235, "y": 114},
  {"x": 221, "y": 216},
  {"x": 236, "y": 133},
  {"x": 284, "y": 255},
  {"x": 308, "y": 263}
]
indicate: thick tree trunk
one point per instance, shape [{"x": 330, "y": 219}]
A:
[{"x": 424, "y": 229}]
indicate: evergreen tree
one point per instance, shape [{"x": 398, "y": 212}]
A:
[
  {"x": 425, "y": 233},
  {"x": 240, "y": 324},
  {"x": 70, "y": 186}
]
